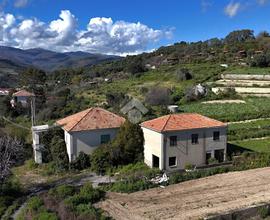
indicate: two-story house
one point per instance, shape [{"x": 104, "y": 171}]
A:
[
  {"x": 86, "y": 130},
  {"x": 173, "y": 141}
]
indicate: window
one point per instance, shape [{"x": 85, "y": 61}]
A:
[
  {"x": 172, "y": 161},
  {"x": 216, "y": 136},
  {"x": 105, "y": 138},
  {"x": 173, "y": 140},
  {"x": 194, "y": 138}
]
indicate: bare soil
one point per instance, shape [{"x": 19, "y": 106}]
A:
[
  {"x": 193, "y": 199},
  {"x": 243, "y": 83},
  {"x": 235, "y": 101}
]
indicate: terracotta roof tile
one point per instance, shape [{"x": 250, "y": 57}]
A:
[
  {"x": 24, "y": 93},
  {"x": 91, "y": 119},
  {"x": 178, "y": 122}
]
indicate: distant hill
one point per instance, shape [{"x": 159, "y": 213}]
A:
[
  {"x": 13, "y": 61},
  {"x": 48, "y": 60}
]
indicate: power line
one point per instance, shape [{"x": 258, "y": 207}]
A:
[{"x": 16, "y": 124}]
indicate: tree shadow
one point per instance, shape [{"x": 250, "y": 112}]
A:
[{"x": 233, "y": 149}]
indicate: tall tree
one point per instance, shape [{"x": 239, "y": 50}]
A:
[
  {"x": 10, "y": 154},
  {"x": 239, "y": 36},
  {"x": 32, "y": 77}
]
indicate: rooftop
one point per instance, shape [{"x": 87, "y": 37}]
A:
[
  {"x": 178, "y": 122},
  {"x": 24, "y": 93},
  {"x": 91, "y": 119}
]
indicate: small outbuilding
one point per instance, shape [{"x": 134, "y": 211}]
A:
[
  {"x": 23, "y": 97},
  {"x": 174, "y": 141},
  {"x": 86, "y": 130}
]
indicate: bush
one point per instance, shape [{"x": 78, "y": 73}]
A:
[
  {"x": 126, "y": 148},
  {"x": 130, "y": 186},
  {"x": 100, "y": 160},
  {"x": 86, "y": 195},
  {"x": 189, "y": 166},
  {"x": 49, "y": 169},
  {"x": 183, "y": 74},
  {"x": 45, "y": 215},
  {"x": 59, "y": 153},
  {"x": 81, "y": 162},
  {"x": 263, "y": 212},
  {"x": 62, "y": 191},
  {"x": 212, "y": 160},
  {"x": 158, "y": 96},
  {"x": 137, "y": 171},
  {"x": 34, "y": 204},
  {"x": 31, "y": 164}
]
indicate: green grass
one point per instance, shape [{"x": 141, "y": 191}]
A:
[
  {"x": 252, "y": 109},
  {"x": 255, "y": 129},
  {"x": 262, "y": 146},
  {"x": 164, "y": 76}
]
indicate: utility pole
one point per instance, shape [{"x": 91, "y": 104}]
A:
[{"x": 33, "y": 110}]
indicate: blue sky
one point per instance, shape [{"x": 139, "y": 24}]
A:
[{"x": 160, "y": 22}]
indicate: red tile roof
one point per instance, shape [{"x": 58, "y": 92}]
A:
[
  {"x": 91, "y": 119},
  {"x": 178, "y": 122},
  {"x": 23, "y": 93}
]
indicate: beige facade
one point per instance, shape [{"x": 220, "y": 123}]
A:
[
  {"x": 182, "y": 151},
  {"x": 86, "y": 141}
]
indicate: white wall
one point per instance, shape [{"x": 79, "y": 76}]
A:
[
  {"x": 152, "y": 146},
  {"x": 185, "y": 152},
  {"x": 86, "y": 141}
]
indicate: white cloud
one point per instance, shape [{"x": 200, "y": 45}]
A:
[
  {"x": 102, "y": 35},
  {"x": 20, "y": 3},
  {"x": 232, "y": 9}
]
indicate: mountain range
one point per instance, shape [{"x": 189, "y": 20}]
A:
[
  {"x": 13, "y": 61},
  {"x": 48, "y": 60}
]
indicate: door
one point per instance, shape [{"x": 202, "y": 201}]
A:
[
  {"x": 207, "y": 157},
  {"x": 155, "y": 161},
  {"x": 219, "y": 155}
]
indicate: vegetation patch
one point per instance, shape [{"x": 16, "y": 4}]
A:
[
  {"x": 254, "y": 129},
  {"x": 253, "y": 109}
]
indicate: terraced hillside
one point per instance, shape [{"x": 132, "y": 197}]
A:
[{"x": 244, "y": 84}]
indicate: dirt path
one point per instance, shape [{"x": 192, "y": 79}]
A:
[
  {"x": 193, "y": 199},
  {"x": 78, "y": 181}
]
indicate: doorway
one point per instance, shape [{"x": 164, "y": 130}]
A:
[
  {"x": 219, "y": 155},
  {"x": 155, "y": 161},
  {"x": 207, "y": 157}
]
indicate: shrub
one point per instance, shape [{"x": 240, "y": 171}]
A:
[
  {"x": 62, "y": 191},
  {"x": 31, "y": 164},
  {"x": 45, "y": 215},
  {"x": 158, "y": 96},
  {"x": 49, "y": 169},
  {"x": 126, "y": 148},
  {"x": 175, "y": 178},
  {"x": 263, "y": 212},
  {"x": 34, "y": 204},
  {"x": 189, "y": 166},
  {"x": 59, "y": 153},
  {"x": 86, "y": 195},
  {"x": 81, "y": 162},
  {"x": 137, "y": 171},
  {"x": 212, "y": 160},
  {"x": 100, "y": 160},
  {"x": 130, "y": 186},
  {"x": 92, "y": 195},
  {"x": 85, "y": 209},
  {"x": 183, "y": 74}
]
